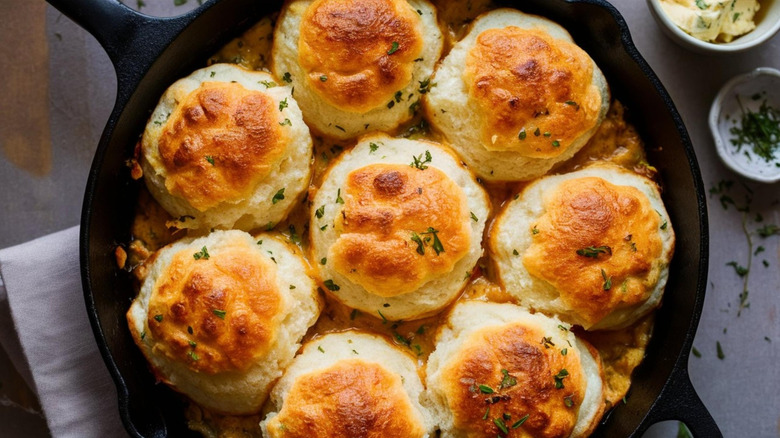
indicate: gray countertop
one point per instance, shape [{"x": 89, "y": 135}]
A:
[{"x": 45, "y": 157}]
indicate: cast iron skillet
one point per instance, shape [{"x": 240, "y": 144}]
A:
[{"x": 150, "y": 53}]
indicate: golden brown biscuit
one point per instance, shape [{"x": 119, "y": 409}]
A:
[
  {"x": 524, "y": 80},
  {"x": 396, "y": 225},
  {"x": 221, "y": 144},
  {"x": 349, "y": 384},
  {"x": 229, "y": 301},
  {"x": 516, "y": 96},
  {"x": 219, "y": 317},
  {"x": 356, "y": 65},
  {"x": 383, "y": 202},
  {"x": 227, "y": 123},
  {"x": 350, "y": 44},
  {"x": 592, "y": 246},
  {"x": 498, "y": 370}
]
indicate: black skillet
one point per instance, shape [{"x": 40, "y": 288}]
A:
[{"x": 151, "y": 53}]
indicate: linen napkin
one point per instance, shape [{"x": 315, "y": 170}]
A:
[{"x": 49, "y": 339}]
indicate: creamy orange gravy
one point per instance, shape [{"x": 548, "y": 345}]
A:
[{"x": 616, "y": 141}]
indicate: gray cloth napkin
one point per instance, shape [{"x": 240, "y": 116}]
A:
[{"x": 48, "y": 337}]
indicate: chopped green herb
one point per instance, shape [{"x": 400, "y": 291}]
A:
[
  {"x": 319, "y": 212},
  {"x": 721, "y": 356},
  {"x": 562, "y": 374},
  {"x": 485, "y": 389},
  {"x": 143, "y": 335},
  {"x": 474, "y": 217},
  {"x": 393, "y": 48},
  {"x": 522, "y": 134},
  {"x": 319, "y": 347},
  {"x": 514, "y": 252},
  {"x": 547, "y": 342},
  {"x": 384, "y": 320},
  {"x": 701, "y": 5},
  {"x": 193, "y": 355},
  {"x": 568, "y": 402},
  {"x": 354, "y": 314},
  {"x": 278, "y": 196},
  {"x": 556, "y": 143},
  {"x": 535, "y": 230},
  {"x": 437, "y": 246},
  {"x": 158, "y": 318},
  {"x": 282, "y": 104},
  {"x": 331, "y": 285},
  {"x": 507, "y": 381},
  {"x": 268, "y": 84},
  {"x": 286, "y": 122},
  {"x": 758, "y": 130},
  {"x": 419, "y": 163},
  {"x": 294, "y": 237},
  {"x": 520, "y": 421},
  {"x": 740, "y": 270},
  {"x": 193, "y": 344},
  {"x": 487, "y": 412},
  {"x": 220, "y": 313},
  {"x": 323, "y": 78},
  {"x": 573, "y": 103},
  {"x": 425, "y": 86},
  {"x": 501, "y": 425},
  {"x": 594, "y": 251},
  {"x": 695, "y": 352},
  {"x": 420, "y": 247},
  {"x": 339, "y": 200},
  {"x": 401, "y": 340},
  {"x": 202, "y": 254},
  {"x": 323, "y": 260},
  {"x": 210, "y": 159},
  {"x": 564, "y": 351},
  {"x": 607, "y": 280},
  {"x": 373, "y": 147},
  {"x": 287, "y": 77}
]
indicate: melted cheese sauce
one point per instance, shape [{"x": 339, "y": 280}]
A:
[{"x": 616, "y": 141}]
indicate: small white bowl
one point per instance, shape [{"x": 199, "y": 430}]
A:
[
  {"x": 767, "y": 25},
  {"x": 726, "y": 113}
]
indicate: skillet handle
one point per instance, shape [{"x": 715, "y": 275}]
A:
[
  {"x": 679, "y": 401},
  {"x": 133, "y": 41}
]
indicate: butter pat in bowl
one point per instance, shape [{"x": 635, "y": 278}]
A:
[
  {"x": 745, "y": 124},
  {"x": 717, "y": 26}
]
